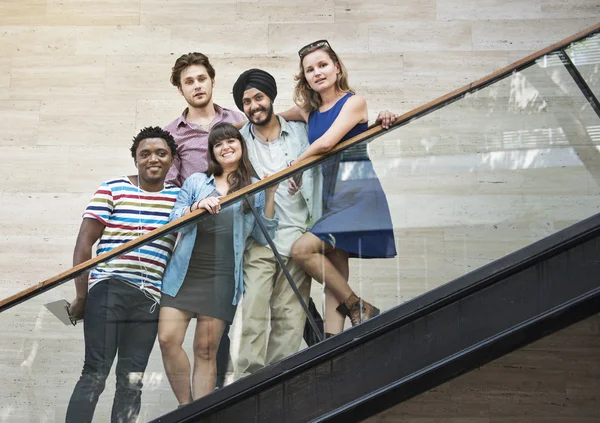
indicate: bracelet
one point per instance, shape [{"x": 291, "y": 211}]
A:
[{"x": 191, "y": 207}]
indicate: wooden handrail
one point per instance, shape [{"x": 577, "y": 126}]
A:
[{"x": 373, "y": 132}]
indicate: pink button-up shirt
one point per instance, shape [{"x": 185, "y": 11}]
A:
[{"x": 192, "y": 144}]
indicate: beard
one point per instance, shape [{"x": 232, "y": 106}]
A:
[{"x": 266, "y": 120}]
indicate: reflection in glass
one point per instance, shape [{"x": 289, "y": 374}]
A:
[
  {"x": 585, "y": 55},
  {"x": 484, "y": 176}
]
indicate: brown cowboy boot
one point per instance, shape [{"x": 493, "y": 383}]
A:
[{"x": 357, "y": 309}]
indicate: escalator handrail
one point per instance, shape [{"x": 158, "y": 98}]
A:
[{"x": 373, "y": 132}]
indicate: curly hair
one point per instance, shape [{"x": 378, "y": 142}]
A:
[
  {"x": 308, "y": 99},
  {"x": 153, "y": 132},
  {"x": 186, "y": 61}
]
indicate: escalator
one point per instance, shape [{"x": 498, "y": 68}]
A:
[
  {"x": 494, "y": 192},
  {"x": 415, "y": 347}
]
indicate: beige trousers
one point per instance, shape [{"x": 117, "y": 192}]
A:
[{"x": 269, "y": 303}]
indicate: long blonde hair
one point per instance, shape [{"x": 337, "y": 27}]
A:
[{"x": 308, "y": 99}]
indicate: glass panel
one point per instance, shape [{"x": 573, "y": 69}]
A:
[
  {"x": 43, "y": 358},
  {"x": 35, "y": 342},
  {"x": 585, "y": 55},
  {"x": 200, "y": 285},
  {"x": 40, "y": 360},
  {"x": 484, "y": 176},
  {"x": 419, "y": 206}
]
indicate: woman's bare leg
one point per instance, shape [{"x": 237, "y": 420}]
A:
[
  {"x": 172, "y": 325},
  {"x": 314, "y": 256},
  {"x": 334, "y": 320},
  {"x": 328, "y": 265},
  {"x": 206, "y": 343}
]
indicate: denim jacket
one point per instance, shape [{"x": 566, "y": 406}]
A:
[{"x": 197, "y": 187}]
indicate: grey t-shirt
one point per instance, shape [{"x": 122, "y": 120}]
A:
[{"x": 291, "y": 210}]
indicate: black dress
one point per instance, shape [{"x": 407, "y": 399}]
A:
[{"x": 209, "y": 283}]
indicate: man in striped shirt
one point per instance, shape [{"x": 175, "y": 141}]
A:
[{"x": 119, "y": 298}]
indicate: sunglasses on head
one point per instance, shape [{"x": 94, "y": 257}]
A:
[{"x": 313, "y": 46}]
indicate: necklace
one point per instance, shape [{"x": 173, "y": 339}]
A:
[{"x": 275, "y": 130}]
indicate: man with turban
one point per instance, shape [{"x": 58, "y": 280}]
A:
[{"x": 268, "y": 298}]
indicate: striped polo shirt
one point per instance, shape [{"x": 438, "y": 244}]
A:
[{"x": 128, "y": 212}]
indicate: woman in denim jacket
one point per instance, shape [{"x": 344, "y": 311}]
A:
[{"x": 204, "y": 278}]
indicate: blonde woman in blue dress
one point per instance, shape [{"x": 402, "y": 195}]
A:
[{"x": 356, "y": 220}]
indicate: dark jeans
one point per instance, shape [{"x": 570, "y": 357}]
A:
[{"x": 117, "y": 319}]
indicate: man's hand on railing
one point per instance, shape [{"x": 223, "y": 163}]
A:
[
  {"x": 294, "y": 184},
  {"x": 386, "y": 118}
]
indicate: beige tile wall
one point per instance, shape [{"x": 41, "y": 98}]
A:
[
  {"x": 89, "y": 74},
  {"x": 78, "y": 78}
]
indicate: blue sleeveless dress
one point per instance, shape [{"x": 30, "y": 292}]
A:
[{"x": 356, "y": 216}]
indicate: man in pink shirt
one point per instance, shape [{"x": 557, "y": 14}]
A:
[{"x": 194, "y": 77}]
